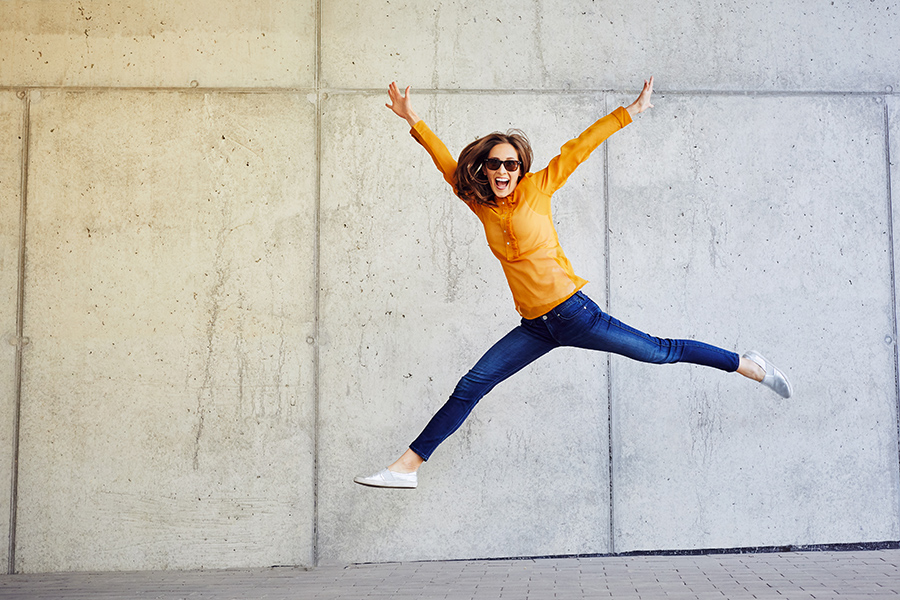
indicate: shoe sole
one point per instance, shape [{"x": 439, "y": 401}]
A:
[{"x": 389, "y": 487}]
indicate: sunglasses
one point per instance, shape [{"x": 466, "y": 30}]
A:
[{"x": 494, "y": 163}]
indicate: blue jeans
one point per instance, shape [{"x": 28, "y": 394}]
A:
[{"x": 576, "y": 322}]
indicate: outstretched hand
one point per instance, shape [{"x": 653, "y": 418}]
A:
[
  {"x": 643, "y": 101},
  {"x": 401, "y": 104}
]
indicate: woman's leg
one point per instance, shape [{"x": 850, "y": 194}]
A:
[
  {"x": 518, "y": 348},
  {"x": 580, "y": 322},
  {"x": 524, "y": 344}
]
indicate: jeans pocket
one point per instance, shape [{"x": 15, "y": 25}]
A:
[{"x": 572, "y": 308}]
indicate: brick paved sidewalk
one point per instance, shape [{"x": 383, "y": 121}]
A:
[{"x": 785, "y": 576}]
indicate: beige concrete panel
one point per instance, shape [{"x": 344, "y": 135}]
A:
[
  {"x": 158, "y": 43},
  {"x": 411, "y": 298},
  {"x": 755, "y": 223},
  {"x": 12, "y": 117},
  {"x": 589, "y": 44},
  {"x": 168, "y": 403}
]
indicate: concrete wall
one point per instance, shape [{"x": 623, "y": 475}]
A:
[{"x": 244, "y": 283}]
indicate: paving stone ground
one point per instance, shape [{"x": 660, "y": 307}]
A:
[{"x": 838, "y": 575}]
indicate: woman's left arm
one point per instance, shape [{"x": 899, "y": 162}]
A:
[
  {"x": 643, "y": 101},
  {"x": 576, "y": 151}
]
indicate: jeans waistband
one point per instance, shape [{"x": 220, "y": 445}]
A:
[{"x": 578, "y": 297}]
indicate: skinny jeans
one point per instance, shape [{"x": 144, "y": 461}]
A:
[{"x": 577, "y": 322}]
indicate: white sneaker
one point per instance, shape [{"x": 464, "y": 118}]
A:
[
  {"x": 389, "y": 479},
  {"x": 774, "y": 379}
]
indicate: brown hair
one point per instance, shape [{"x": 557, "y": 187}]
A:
[{"x": 471, "y": 181}]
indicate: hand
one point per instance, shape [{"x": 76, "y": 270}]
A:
[
  {"x": 643, "y": 101},
  {"x": 402, "y": 104}
]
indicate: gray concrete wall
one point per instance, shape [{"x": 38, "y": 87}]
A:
[{"x": 244, "y": 283}]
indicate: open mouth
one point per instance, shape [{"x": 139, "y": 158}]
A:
[{"x": 501, "y": 183}]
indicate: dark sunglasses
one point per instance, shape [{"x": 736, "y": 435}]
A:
[{"x": 494, "y": 163}]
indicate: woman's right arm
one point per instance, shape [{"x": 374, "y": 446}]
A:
[{"x": 401, "y": 104}]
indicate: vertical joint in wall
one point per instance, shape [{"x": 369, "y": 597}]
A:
[
  {"x": 316, "y": 217},
  {"x": 20, "y": 341},
  {"x": 609, "y": 391},
  {"x": 891, "y": 255}
]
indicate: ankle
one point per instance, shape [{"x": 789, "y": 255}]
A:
[
  {"x": 402, "y": 467},
  {"x": 751, "y": 370},
  {"x": 408, "y": 463}
]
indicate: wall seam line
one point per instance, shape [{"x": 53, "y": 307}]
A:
[
  {"x": 316, "y": 250},
  {"x": 890, "y": 225},
  {"x": 20, "y": 333},
  {"x": 464, "y": 91},
  {"x": 609, "y": 390}
]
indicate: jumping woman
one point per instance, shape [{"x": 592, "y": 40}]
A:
[{"x": 493, "y": 178}]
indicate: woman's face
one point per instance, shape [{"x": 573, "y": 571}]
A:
[{"x": 503, "y": 181}]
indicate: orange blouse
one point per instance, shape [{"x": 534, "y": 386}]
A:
[{"x": 520, "y": 228}]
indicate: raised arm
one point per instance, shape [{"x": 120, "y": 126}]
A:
[
  {"x": 401, "y": 104},
  {"x": 643, "y": 101},
  {"x": 576, "y": 151}
]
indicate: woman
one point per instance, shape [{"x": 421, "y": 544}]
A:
[{"x": 493, "y": 178}]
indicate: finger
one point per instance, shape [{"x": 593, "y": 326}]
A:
[{"x": 406, "y": 93}]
